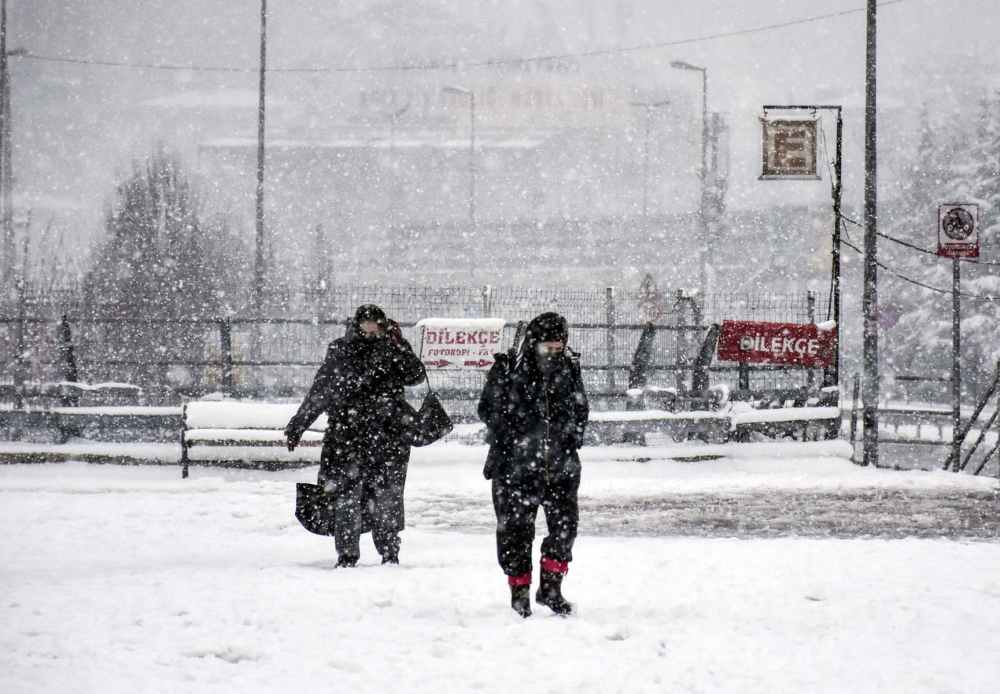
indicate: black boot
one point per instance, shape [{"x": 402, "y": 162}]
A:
[
  {"x": 390, "y": 559},
  {"x": 520, "y": 600},
  {"x": 550, "y": 593},
  {"x": 346, "y": 561}
]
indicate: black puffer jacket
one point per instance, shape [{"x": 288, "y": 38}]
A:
[
  {"x": 360, "y": 387},
  {"x": 535, "y": 420}
]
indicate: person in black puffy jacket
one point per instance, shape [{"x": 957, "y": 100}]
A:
[
  {"x": 535, "y": 409},
  {"x": 366, "y": 448}
]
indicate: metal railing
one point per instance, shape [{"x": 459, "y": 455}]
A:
[{"x": 185, "y": 350}]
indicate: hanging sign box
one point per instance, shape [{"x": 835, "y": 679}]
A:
[{"x": 790, "y": 147}]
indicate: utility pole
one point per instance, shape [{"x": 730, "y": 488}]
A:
[
  {"x": 706, "y": 258},
  {"x": 870, "y": 301},
  {"x": 394, "y": 187},
  {"x": 472, "y": 170},
  {"x": 6, "y": 207},
  {"x": 259, "y": 262}
]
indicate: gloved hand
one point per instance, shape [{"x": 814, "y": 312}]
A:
[
  {"x": 395, "y": 332},
  {"x": 292, "y": 440}
]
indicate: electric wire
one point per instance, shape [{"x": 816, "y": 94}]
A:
[
  {"x": 907, "y": 244},
  {"x": 903, "y": 277},
  {"x": 453, "y": 64}
]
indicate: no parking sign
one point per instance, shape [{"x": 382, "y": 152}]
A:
[{"x": 958, "y": 230}]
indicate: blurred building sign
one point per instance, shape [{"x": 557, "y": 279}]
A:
[
  {"x": 753, "y": 342},
  {"x": 790, "y": 146},
  {"x": 958, "y": 230},
  {"x": 460, "y": 344}
]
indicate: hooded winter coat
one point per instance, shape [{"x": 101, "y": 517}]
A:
[
  {"x": 360, "y": 386},
  {"x": 535, "y": 419}
]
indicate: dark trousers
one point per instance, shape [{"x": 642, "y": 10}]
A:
[
  {"x": 516, "y": 504},
  {"x": 368, "y": 496}
]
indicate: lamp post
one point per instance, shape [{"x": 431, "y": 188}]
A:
[
  {"x": 472, "y": 149},
  {"x": 6, "y": 224},
  {"x": 703, "y": 174},
  {"x": 394, "y": 191},
  {"x": 648, "y": 106},
  {"x": 472, "y": 166},
  {"x": 258, "y": 275}
]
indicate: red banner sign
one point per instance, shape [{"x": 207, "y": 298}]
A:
[{"x": 776, "y": 343}]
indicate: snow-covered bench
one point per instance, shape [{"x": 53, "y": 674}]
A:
[
  {"x": 734, "y": 422},
  {"x": 101, "y": 423},
  {"x": 737, "y": 415},
  {"x": 72, "y": 392},
  {"x": 635, "y": 425},
  {"x": 241, "y": 434}
]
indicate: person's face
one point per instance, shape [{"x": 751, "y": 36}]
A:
[
  {"x": 550, "y": 349},
  {"x": 369, "y": 330}
]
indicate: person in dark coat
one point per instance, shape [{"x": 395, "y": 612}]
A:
[
  {"x": 366, "y": 447},
  {"x": 535, "y": 409}
]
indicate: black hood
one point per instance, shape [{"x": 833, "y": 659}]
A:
[
  {"x": 547, "y": 327},
  {"x": 367, "y": 312}
]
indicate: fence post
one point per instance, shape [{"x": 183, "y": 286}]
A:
[
  {"x": 744, "y": 375},
  {"x": 854, "y": 414},
  {"x": 184, "y": 447},
  {"x": 226, "y": 347},
  {"x": 609, "y": 317},
  {"x": 681, "y": 341},
  {"x": 811, "y": 307},
  {"x": 487, "y": 301},
  {"x": 68, "y": 357},
  {"x": 698, "y": 377},
  {"x": 19, "y": 375}
]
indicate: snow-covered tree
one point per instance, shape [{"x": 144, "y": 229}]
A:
[
  {"x": 163, "y": 258},
  {"x": 954, "y": 161}
]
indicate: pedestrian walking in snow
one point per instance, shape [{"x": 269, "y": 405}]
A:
[
  {"x": 366, "y": 448},
  {"x": 535, "y": 410}
]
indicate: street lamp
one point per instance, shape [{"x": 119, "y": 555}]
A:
[
  {"x": 258, "y": 266},
  {"x": 649, "y": 106},
  {"x": 6, "y": 205},
  {"x": 703, "y": 212},
  {"x": 472, "y": 149},
  {"x": 394, "y": 193}
]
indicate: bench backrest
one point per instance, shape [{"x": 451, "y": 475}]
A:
[{"x": 242, "y": 415}]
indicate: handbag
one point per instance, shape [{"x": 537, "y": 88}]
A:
[
  {"x": 314, "y": 508},
  {"x": 432, "y": 422}
]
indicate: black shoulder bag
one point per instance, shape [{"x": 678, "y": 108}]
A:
[{"x": 432, "y": 422}]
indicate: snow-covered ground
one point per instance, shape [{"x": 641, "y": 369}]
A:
[{"x": 130, "y": 579}]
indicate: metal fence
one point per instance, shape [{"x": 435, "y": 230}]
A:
[{"x": 186, "y": 347}]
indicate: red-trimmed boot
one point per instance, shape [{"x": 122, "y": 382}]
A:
[
  {"x": 520, "y": 594},
  {"x": 550, "y": 587}
]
